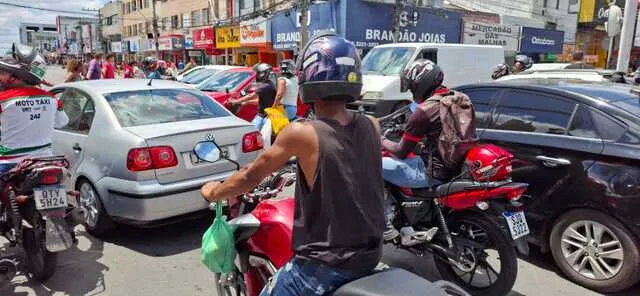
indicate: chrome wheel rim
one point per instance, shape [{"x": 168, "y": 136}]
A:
[
  {"x": 592, "y": 250},
  {"x": 88, "y": 202}
]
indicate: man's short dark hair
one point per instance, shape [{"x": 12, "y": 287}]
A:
[
  {"x": 111, "y": 55},
  {"x": 97, "y": 56}
]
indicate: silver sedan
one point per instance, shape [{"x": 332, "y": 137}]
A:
[{"x": 130, "y": 144}]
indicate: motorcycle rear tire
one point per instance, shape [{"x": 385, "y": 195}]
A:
[
  {"x": 506, "y": 253},
  {"x": 41, "y": 263}
]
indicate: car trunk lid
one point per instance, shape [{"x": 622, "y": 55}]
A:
[{"x": 182, "y": 137}]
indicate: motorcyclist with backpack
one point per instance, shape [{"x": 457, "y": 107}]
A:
[
  {"x": 424, "y": 79},
  {"x": 28, "y": 114}
]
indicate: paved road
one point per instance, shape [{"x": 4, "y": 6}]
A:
[{"x": 165, "y": 261}]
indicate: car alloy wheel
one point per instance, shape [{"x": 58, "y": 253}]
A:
[
  {"x": 592, "y": 250},
  {"x": 88, "y": 202}
]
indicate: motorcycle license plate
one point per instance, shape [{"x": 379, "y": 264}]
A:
[
  {"x": 50, "y": 197},
  {"x": 517, "y": 224}
]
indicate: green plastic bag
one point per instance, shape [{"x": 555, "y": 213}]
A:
[{"x": 218, "y": 250}]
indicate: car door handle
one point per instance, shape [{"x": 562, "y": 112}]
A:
[
  {"x": 553, "y": 162},
  {"x": 76, "y": 148}
]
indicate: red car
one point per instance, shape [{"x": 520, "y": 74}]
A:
[{"x": 235, "y": 83}]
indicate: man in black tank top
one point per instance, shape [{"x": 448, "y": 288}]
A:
[{"x": 339, "y": 220}]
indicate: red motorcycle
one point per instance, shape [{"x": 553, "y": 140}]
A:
[
  {"x": 36, "y": 217},
  {"x": 263, "y": 231},
  {"x": 469, "y": 223}
]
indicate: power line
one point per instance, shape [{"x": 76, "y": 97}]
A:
[{"x": 45, "y": 9}]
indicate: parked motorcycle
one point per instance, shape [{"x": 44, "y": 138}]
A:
[
  {"x": 263, "y": 231},
  {"x": 36, "y": 217},
  {"x": 465, "y": 222}
]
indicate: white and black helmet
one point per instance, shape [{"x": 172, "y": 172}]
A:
[
  {"x": 25, "y": 64},
  {"x": 422, "y": 77}
]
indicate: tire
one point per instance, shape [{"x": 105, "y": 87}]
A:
[
  {"x": 41, "y": 263},
  {"x": 623, "y": 257},
  {"x": 96, "y": 220},
  {"x": 494, "y": 239}
]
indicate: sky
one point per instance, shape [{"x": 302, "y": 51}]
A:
[{"x": 11, "y": 17}]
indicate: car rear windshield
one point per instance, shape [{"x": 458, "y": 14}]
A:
[
  {"x": 632, "y": 105},
  {"x": 387, "y": 60},
  {"x": 225, "y": 80},
  {"x": 142, "y": 107}
]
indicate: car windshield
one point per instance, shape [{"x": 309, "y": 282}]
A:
[
  {"x": 193, "y": 71},
  {"x": 224, "y": 80},
  {"x": 142, "y": 107},
  {"x": 199, "y": 76},
  {"x": 387, "y": 60}
]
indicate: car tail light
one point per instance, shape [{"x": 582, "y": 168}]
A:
[
  {"x": 163, "y": 157},
  {"x": 51, "y": 176},
  {"x": 252, "y": 142},
  {"x": 142, "y": 159}
]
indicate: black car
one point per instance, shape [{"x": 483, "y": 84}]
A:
[{"x": 578, "y": 146}]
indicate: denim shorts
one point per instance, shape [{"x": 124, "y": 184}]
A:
[
  {"x": 408, "y": 172},
  {"x": 301, "y": 277}
]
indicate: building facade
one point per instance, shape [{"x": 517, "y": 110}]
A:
[
  {"x": 41, "y": 37},
  {"x": 111, "y": 26},
  {"x": 78, "y": 35}
]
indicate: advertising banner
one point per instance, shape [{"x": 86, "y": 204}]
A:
[
  {"x": 541, "y": 41},
  {"x": 507, "y": 36}
]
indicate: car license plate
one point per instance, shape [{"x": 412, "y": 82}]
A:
[
  {"x": 517, "y": 224},
  {"x": 50, "y": 197},
  {"x": 197, "y": 161}
]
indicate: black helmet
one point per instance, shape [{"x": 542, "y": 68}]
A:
[
  {"x": 288, "y": 67},
  {"x": 422, "y": 77},
  {"x": 263, "y": 72},
  {"x": 500, "y": 71},
  {"x": 329, "y": 69},
  {"x": 25, "y": 64},
  {"x": 524, "y": 60},
  {"x": 149, "y": 62}
]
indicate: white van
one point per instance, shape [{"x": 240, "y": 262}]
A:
[{"x": 381, "y": 68}]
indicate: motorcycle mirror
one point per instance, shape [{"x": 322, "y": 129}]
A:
[
  {"x": 226, "y": 90},
  {"x": 243, "y": 93},
  {"x": 207, "y": 151}
]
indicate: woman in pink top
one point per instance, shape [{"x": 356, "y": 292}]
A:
[{"x": 108, "y": 69}]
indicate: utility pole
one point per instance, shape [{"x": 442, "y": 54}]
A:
[
  {"x": 156, "y": 33},
  {"x": 396, "y": 20},
  {"x": 304, "y": 29},
  {"x": 626, "y": 36}
]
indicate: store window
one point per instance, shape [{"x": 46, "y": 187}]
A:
[
  {"x": 175, "y": 22},
  {"x": 205, "y": 16},
  {"x": 134, "y": 4}
]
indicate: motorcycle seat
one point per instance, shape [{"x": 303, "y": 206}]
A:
[
  {"x": 394, "y": 281},
  {"x": 446, "y": 189}
]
